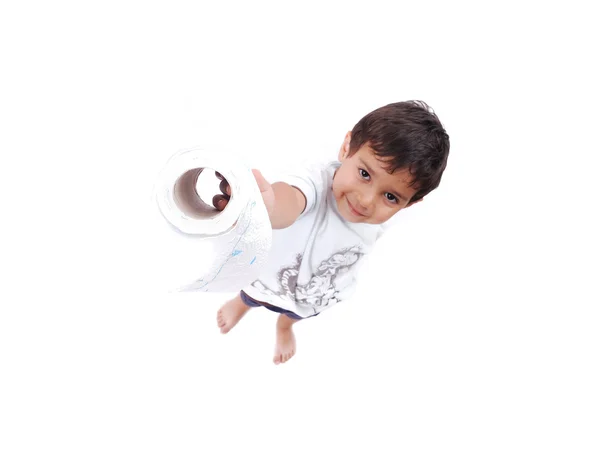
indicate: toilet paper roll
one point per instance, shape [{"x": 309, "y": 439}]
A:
[{"x": 239, "y": 236}]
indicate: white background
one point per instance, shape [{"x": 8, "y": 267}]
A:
[{"x": 475, "y": 325}]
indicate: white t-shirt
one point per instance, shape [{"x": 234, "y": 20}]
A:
[{"x": 313, "y": 263}]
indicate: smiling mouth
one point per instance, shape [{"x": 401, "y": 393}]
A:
[{"x": 353, "y": 210}]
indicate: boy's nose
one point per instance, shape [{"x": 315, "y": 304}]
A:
[{"x": 365, "y": 200}]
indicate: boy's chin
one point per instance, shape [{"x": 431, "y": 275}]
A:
[{"x": 351, "y": 219}]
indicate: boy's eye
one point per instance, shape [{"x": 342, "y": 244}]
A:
[
  {"x": 363, "y": 173},
  {"x": 391, "y": 197}
]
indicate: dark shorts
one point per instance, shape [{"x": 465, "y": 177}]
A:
[{"x": 254, "y": 303}]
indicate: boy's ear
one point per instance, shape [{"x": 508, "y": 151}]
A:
[{"x": 345, "y": 148}]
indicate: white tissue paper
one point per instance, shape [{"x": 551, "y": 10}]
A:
[{"x": 204, "y": 249}]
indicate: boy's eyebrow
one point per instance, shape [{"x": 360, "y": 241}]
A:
[{"x": 371, "y": 171}]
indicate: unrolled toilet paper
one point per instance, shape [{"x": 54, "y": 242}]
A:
[{"x": 240, "y": 236}]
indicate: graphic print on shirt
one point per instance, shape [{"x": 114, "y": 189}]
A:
[{"x": 320, "y": 290}]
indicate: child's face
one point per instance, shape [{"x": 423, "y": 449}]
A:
[{"x": 364, "y": 191}]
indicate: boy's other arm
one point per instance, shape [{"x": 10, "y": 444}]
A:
[{"x": 289, "y": 204}]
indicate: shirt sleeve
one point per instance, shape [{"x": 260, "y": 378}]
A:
[{"x": 308, "y": 179}]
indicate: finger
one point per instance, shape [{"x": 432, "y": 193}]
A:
[
  {"x": 220, "y": 202},
  {"x": 218, "y": 175},
  {"x": 225, "y": 188},
  {"x": 263, "y": 184}
]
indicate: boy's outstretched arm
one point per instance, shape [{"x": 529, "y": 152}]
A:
[
  {"x": 289, "y": 204},
  {"x": 284, "y": 203}
]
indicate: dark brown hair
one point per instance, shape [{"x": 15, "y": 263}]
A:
[{"x": 406, "y": 135}]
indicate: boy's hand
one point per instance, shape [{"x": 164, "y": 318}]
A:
[{"x": 266, "y": 189}]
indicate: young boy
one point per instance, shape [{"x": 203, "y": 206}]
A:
[{"x": 328, "y": 217}]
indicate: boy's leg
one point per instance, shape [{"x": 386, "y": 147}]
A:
[
  {"x": 232, "y": 312},
  {"x": 285, "y": 346}
]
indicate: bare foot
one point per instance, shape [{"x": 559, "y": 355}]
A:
[
  {"x": 285, "y": 347},
  {"x": 231, "y": 313}
]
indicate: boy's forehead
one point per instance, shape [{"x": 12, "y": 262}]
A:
[{"x": 367, "y": 155}]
